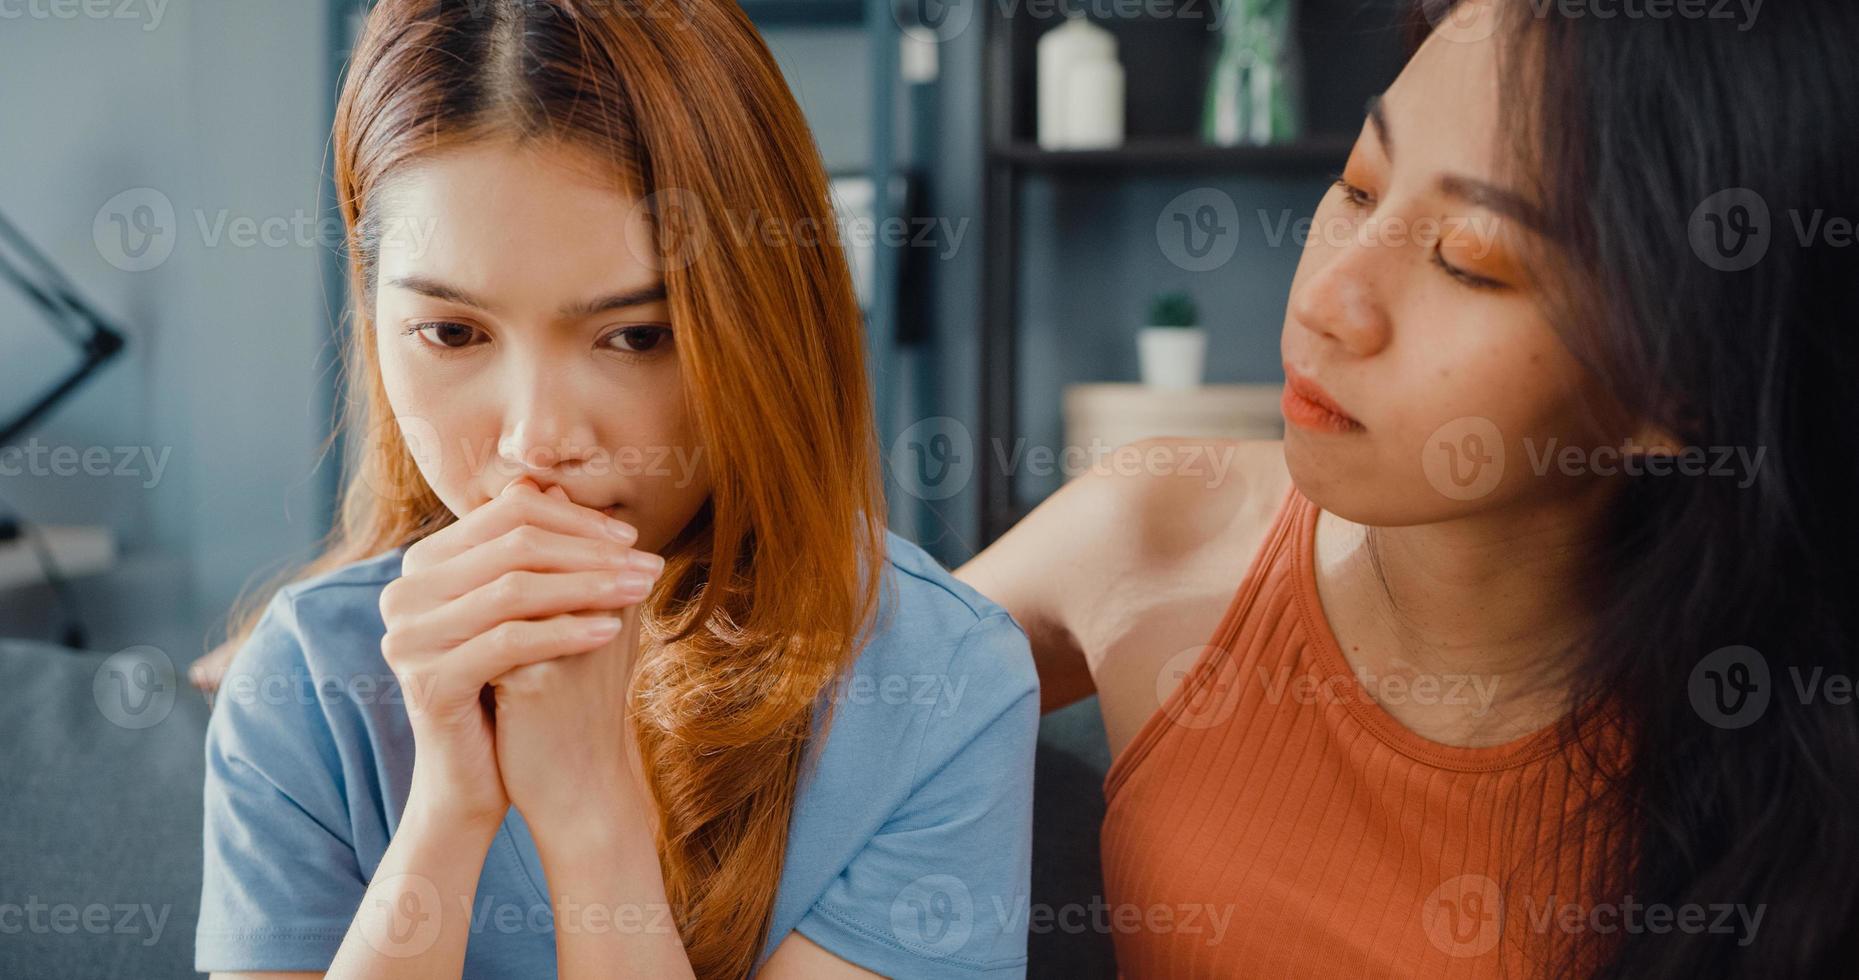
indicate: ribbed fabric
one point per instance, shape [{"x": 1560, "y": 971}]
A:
[{"x": 1272, "y": 790}]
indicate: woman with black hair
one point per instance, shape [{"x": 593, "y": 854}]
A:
[{"x": 1529, "y": 650}]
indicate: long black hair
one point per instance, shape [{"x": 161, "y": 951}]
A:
[{"x": 1698, "y": 176}]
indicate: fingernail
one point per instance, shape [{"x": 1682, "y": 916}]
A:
[
  {"x": 646, "y": 561},
  {"x": 602, "y": 627},
  {"x": 621, "y": 531},
  {"x": 634, "y": 582}
]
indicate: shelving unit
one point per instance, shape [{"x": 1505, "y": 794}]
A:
[
  {"x": 1174, "y": 156},
  {"x": 1350, "y": 49},
  {"x": 805, "y": 13}
]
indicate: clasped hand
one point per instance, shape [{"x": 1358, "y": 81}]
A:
[{"x": 514, "y": 634}]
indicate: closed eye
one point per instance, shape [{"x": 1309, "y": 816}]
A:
[
  {"x": 1469, "y": 279},
  {"x": 1358, "y": 199},
  {"x": 1354, "y": 196}
]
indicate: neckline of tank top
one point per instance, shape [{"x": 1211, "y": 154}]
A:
[{"x": 1338, "y": 677}]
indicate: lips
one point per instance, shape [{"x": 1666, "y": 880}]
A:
[{"x": 1306, "y": 404}]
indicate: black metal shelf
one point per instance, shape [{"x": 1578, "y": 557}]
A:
[
  {"x": 805, "y": 13},
  {"x": 1143, "y": 157},
  {"x": 1350, "y": 50}
]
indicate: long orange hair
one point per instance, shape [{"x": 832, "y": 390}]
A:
[{"x": 768, "y": 594}]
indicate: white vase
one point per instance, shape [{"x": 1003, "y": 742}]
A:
[
  {"x": 1172, "y": 357},
  {"x": 1079, "y": 87}
]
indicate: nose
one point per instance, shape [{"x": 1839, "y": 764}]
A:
[
  {"x": 545, "y": 430},
  {"x": 1338, "y": 300}
]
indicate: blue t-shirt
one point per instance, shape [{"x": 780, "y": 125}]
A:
[{"x": 908, "y": 852}]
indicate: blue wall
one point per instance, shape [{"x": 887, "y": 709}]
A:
[
  {"x": 221, "y": 109},
  {"x": 217, "y": 107}
]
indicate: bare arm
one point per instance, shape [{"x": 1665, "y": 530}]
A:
[
  {"x": 415, "y": 918},
  {"x": 616, "y": 875},
  {"x": 1090, "y": 565},
  {"x": 1036, "y": 570}
]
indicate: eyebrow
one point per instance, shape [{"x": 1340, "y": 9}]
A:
[
  {"x": 1471, "y": 190},
  {"x": 1380, "y": 121},
  {"x": 639, "y": 296}
]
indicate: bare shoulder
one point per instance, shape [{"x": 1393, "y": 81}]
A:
[
  {"x": 1160, "y": 526},
  {"x": 1147, "y": 598},
  {"x": 1162, "y": 504}
]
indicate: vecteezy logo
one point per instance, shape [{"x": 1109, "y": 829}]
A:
[
  {"x": 135, "y": 688},
  {"x": 1199, "y": 230},
  {"x": 943, "y": 20},
  {"x": 1463, "y": 917},
  {"x": 1464, "y": 459},
  {"x": 933, "y": 459},
  {"x": 135, "y": 231},
  {"x": 666, "y": 230},
  {"x": 1730, "y": 687},
  {"x": 934, "y": 914},
  {"x": 421, "y": 439},
  {"x": 1464, "y": 23},
  {"x": 1202, "y": 706},
  {"x": 1729, "y": 230},
  {"x": 410, "y": 924}
]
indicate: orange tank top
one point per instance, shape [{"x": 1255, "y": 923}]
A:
[{"x": 1271, "y": 819}]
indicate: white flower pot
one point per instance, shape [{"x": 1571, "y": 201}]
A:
[{"x": 1172, "y": 357}]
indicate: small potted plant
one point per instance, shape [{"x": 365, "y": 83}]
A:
[{"x": 1172, "y": 349}]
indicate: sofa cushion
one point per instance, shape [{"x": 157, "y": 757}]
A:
[
  {"x": 100, "y": 803},
  {"x": 1064, "y": 934}
]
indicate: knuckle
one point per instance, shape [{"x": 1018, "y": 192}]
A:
[
  {"x": 521, "y": 542},
  {"x": 508, "y": 587},
  {"x": 506, "y": 637},
  {"x": 392, "y": 601},
  {"x": 414, "y": 557},
  {"x": 393, "y": 647}
]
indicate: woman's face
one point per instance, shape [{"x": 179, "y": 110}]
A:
[
  {"x": 1411, "y": 310},
  {"x": 525, "y": 331}
]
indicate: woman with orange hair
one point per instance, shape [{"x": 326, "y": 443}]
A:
[{"x": 610, "y": 668}]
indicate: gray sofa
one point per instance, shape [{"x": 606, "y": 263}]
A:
[
  {"x": 101, "y": 810},
  {"x": 100, "y": 805}
]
